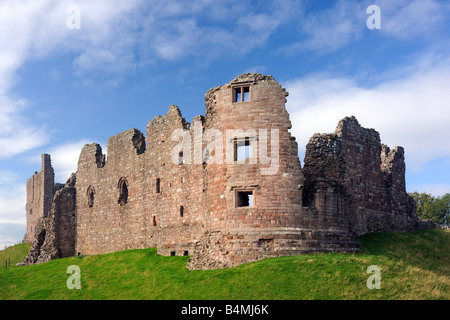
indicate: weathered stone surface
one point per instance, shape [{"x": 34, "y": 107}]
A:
[
  {"x": 184, "y": 189},
  {"x": 55, "y": 233}
]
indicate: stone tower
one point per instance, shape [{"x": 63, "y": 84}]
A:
[
  {"x": 40, "y": 190},
  {"x": 254, "y": 191}
]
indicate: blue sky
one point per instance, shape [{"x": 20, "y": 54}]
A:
[{"x": 130, "y": 60}]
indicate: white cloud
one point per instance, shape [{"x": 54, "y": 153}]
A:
[
  {"x": 17, "y": 133},
  {"x": 411, "y": 111},
  {"x": 116, "y": 36},
  {"x": 344, "y": 23},
  {"x": 436, "y": 190},
  {"x": 178, "y": 29},
  {"x": 65, "y": 159},
  {"x": 12, "y": 208},
  {"x": 408, "y": 20},
  {"x": 13, "y": 190},
  {"x": 331, "y": 29},
  {"x": 36, "y": 29}
]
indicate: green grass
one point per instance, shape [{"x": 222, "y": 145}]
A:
[
  {"x": 414, "y": 265},
  {"x": 14, "y": 254}
]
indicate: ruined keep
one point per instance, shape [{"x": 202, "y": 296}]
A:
[{"x": 226, "y": 189}]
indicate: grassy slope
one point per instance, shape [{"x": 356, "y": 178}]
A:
[{"x": 414, "y": 265}]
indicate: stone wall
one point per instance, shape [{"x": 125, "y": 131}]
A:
[
  {"x": 369, "y": 174},
  {"x": 55, "y": 234},
  {"x": 40, "y": 189},
  {"x": 150, "y": 217}
]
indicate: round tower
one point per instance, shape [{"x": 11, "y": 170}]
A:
[{"x": 253, "y": 180}]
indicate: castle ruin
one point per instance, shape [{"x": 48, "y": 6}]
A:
[{"x": 226, "y": 189}]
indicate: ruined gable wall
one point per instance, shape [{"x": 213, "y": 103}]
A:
[
  {"x": 371, "y": 176},
  {"x": 363, "y": 176},
  {"x": 402, "y": 211}
]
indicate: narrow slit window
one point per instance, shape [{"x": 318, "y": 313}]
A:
[
  {"x": 244, "y": 199},
  {"x": 181, "y": 211},
  {"x": 158, "y": 185},
  {"x": 91, "y": 196},
  {"x": 180, "y": 157},
  {"x": 154, "y": 221}
]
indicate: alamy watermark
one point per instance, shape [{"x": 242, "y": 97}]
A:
[
  {"x": 374, "y": 281},
  {"x": 248, "y": 146},
  {"x": 74, "y": 20},
  {"x": 374, "y": 21},
  {"x": 74, "y": 281}
]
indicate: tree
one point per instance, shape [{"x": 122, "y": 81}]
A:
[
  {"x": 436, "y": 209},
  {"x": 423, "y": 201},
  {"x": 440, "y": 210}
]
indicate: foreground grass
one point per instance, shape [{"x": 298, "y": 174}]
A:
[{"x": 414, "y": 265}]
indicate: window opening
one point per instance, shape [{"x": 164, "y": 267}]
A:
[
  {"x": 244, "y": 199},
  {"x": 245, "y": 94},
  {"x": 158, "y": 185},
  {"x": 242, "y": 149},
  {"x": 91, "y": 196},
  {"x": 241, "y": 94},
  {"x": 123, "y": 192},
  {"x": 181, "y": 211}
]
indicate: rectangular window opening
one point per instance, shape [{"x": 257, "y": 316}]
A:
[
  {"x": 242, "y": 149},
  {"x": 241, "y": 94},
  {"x": 244, "y": 199},
  {"x": 181, "y": 211},
  {"x": 172, "y": 253},
  {"x": 238, "y": 96},
  {"x": 154, "y": 221},
  {"x": 245, "y": 94}
]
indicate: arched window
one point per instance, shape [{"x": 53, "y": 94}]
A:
[
  {"x": 90, "y": 195},
  {"x": 123, "y": 191}
]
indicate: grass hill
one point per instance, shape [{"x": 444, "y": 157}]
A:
[{"x": 414, "y": 265}]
